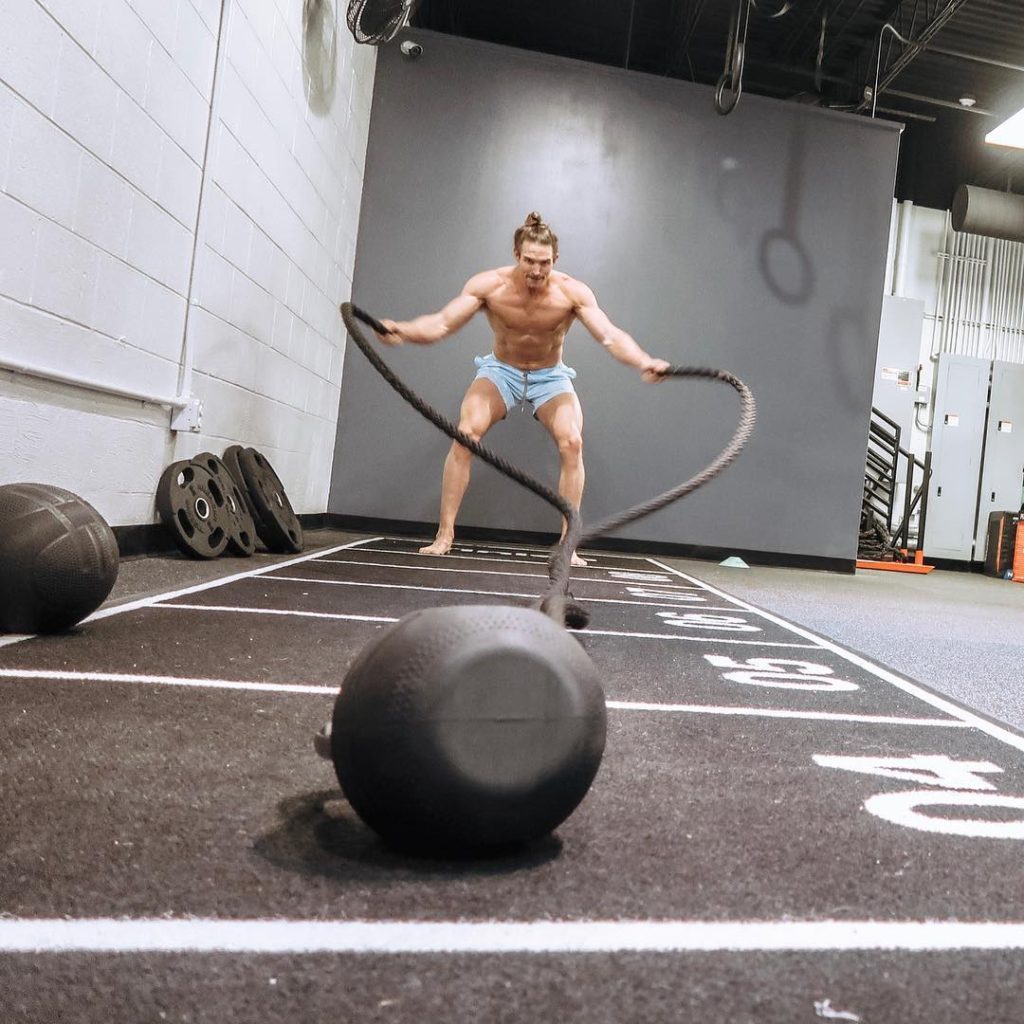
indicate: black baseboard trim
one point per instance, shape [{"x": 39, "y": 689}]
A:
[
  {"x": 314, "y": 520},
  {"x": 154, "y": 539},
  {"x": 778, "y": 559},
  {"x": 151, "y": 539}
]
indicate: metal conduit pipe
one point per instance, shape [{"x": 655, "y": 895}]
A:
[
  {"x": 1009, "y": 317},
  {"x": 43, "y": 373},
  {"x": 970, "y": 317},
  {"x": 960, "y": 294},
  {"x": 997, "y": 327},
  {"x": 1014, "y": 298},
  {"x": 1005, "y": 333},
  {"x": 1003, "y": 336},
  {"x": 1019, "y": 318},
  {"x": 949, "y": 306},
  {"x": 985, "y": 339},
  {"x": 967, "y": 307},
  {"x": 940, "y": 293},
  {"x": 954, "y": 284},
  {"x": 969, "y": 312},
  {"x": 975, "y": 276},
  {"x": 906, "y": 210},
  {"x": 955, "y": 287},
  {"x": 1007, "y": 314}
]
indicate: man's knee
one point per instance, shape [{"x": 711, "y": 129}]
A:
[
  {"x": 570, "y": 446},
  {"x": 473, "y": 432}
]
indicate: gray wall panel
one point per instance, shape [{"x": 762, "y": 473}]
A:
[{"x": 754, "y": 242}]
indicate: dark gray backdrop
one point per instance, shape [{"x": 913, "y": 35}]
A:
[{"x": 754, "y": 242}]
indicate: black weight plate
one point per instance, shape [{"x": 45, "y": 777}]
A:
[
  {"x": 232, "y": 456},
  {"x": 237, "y": 517},
  {"x": 191, "y": 503},
  {"x": 282, "y": 530},
  {"x": 230, "y": 459}
]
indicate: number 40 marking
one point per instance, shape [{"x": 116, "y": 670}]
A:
[{"x": 957, "y": 784}]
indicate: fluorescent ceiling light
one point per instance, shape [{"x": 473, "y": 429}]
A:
[{"x": 1009, "y": 133}]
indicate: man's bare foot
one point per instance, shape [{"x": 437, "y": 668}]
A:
[
  {"x": 440, "y": 546},
  {"x": 576, "y": 560}
]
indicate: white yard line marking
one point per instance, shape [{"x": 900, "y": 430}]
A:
[
  {"x": 14, "y": 638},
  {"x": 823, "y": 716},
  {"x": 486, "y": 593},
  {"x": 459, "y": 556},
  {"x": 69, "y": 676},
  {"x": 239, "y": 610},
  {"x": 700, "y": 639},
  {"x": 539, "y": 557},
  {"x": 997, "y": 732},
  {"x": 277, "y": 611},
  {"x": 459, "y": 548},
  {"x": 146, "y": 602},
  {"x": 484, "y": 572},
  {"x": 283, "y": 936}
]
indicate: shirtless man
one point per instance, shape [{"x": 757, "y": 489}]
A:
[{"x": 530, "y": 307}]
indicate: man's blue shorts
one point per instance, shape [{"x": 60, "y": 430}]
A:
[{"x": 533, "y": 387}]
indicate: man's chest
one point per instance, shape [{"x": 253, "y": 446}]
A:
[{"x": 545, "y": 314}]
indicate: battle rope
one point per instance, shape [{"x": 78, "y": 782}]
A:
[{"x": 556, "y": 601}]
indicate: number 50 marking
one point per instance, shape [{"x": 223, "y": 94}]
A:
[{"x": 780, "y": 673}]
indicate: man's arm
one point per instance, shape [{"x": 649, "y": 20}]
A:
[
  {"x": 616, "y": 340},
  {"x": 433, "y": 327}
]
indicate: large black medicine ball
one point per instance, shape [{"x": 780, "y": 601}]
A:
[
  {"x": 58, "y": 558},
  {"x": 468, "y": 728}
]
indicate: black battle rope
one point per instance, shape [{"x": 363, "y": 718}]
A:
[{"x": 556, "y": 601}]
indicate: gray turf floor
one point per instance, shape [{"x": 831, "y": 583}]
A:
[
  {"x": 960, "y": 633},
  {"x": 144, "y": 802}
]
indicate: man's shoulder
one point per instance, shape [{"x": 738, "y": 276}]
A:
[
  {"x": 486, "y": 282},
  {"x": 572, "y": 287}
]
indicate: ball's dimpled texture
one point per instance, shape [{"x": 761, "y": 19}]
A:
[
  {"x": 58, "y": 558},
  {"x": 469, "y": 727}
]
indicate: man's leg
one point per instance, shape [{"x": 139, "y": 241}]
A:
[
  {"x": 563, "y": 418},
  {"x": 482, "y": 407}
]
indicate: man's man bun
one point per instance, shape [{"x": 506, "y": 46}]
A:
[{"x": 534, "y": 229}]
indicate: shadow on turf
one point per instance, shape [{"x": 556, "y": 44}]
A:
[{"x": 340, "y": 846}]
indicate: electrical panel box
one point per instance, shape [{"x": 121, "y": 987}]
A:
[
  {"x": 899, "y": 349},
  {"x": 958, "y": 433},
  {"x": 1002, "y": 473},
  {"x": 896, "y": 364}
]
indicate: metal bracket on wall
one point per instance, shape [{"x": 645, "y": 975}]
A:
[{"x": 188, "y": 417}]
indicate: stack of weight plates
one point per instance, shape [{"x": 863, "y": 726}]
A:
[{"x": 212, "y": 506}]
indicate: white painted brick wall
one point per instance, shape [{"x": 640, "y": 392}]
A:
[
  {"x": 104, "y": 108},
  {"x": 278, "y": 173}
]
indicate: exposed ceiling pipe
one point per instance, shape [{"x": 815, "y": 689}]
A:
[
  {"x": 797, "y": 34},
  {"x": 842, "y": 29},
  {"x": 629, "y": 34},
  {"x": 981, "y": 211},
  {"x": 905, "y": 113},
  {"x": 945, "y": 52},
  {"x": 801, "y": 72},
  {"x": 940, "y": 103},
  {"x": 914, "y": 47},
  {"x": 698, "y": 10}
]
